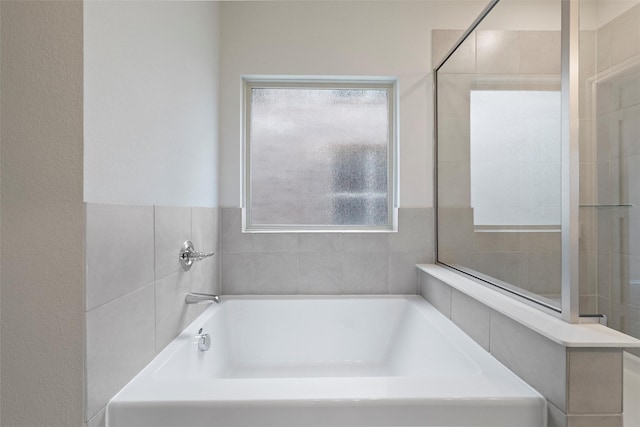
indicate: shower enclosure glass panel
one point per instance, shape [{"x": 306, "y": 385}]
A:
[
  {"x": 610, "y": 162},
  {"x": 499, "y": 151}
]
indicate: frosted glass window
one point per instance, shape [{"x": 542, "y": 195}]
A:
[
  {"x": 515, "y": 159},
  {"x": 318, "y": 155}
]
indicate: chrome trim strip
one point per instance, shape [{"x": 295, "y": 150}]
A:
[
  {"x": 435, "y": 165},
  {"x": 570, "y": 34},
  {"x": 532, "y": 300}
]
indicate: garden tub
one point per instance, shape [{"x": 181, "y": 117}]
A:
[{"x": 325, "y": 361}]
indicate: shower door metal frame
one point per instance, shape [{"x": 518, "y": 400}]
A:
[
  {"x": 570, "y": 32},
  {"x": 570, "y": 47}
]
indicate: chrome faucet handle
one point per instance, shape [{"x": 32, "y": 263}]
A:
[
  {"x": 203, "y": 341},
  {"x": 188, "y": 255}
]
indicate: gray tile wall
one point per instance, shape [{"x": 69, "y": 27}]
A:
[
  {"x": 135, "y": 288},
  {"x": 583, "y": 387},
  {"x": 325, "y": 263}
]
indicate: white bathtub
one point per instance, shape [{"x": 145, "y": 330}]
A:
[{"x": 326, "y": 361}]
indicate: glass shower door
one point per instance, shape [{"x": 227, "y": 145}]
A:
[
  {"x": 610, "y": 162},
  {"x": 499, "y": 151}
]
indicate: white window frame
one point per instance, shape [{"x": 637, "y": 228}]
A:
[{"x": 321, "y": 82}]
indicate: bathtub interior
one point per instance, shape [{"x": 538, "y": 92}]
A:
[
  {"x": 323, "y": 337},
  {"x": 327, "y": 361}
]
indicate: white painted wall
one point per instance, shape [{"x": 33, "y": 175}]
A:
[
  {"x": 151, "y": 83},
  {"x": 42, "y": 222},
  {"x": 338, "y": 38}
]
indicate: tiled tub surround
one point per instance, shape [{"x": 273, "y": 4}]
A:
[
  {"x": 579, "y": 371},
  {"x": 325, "y": 263},
  {"x": 135, "y": 288}
]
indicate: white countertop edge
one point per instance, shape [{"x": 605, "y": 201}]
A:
[{"x": 555, "y": 329}]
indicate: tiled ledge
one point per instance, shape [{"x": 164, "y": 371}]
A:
[
  {"x": 555, "y": 329},
  {"x": 577, "y": 368}
]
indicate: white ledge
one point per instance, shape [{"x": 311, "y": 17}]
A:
[{"x": 555, "y": 329}]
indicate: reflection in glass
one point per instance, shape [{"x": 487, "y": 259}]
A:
[
  {"x": 499, "y": 151},
  {"x": 515, "y": 160}
]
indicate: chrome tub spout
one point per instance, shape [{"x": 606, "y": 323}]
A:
[{"x": 198, "y": 298}]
